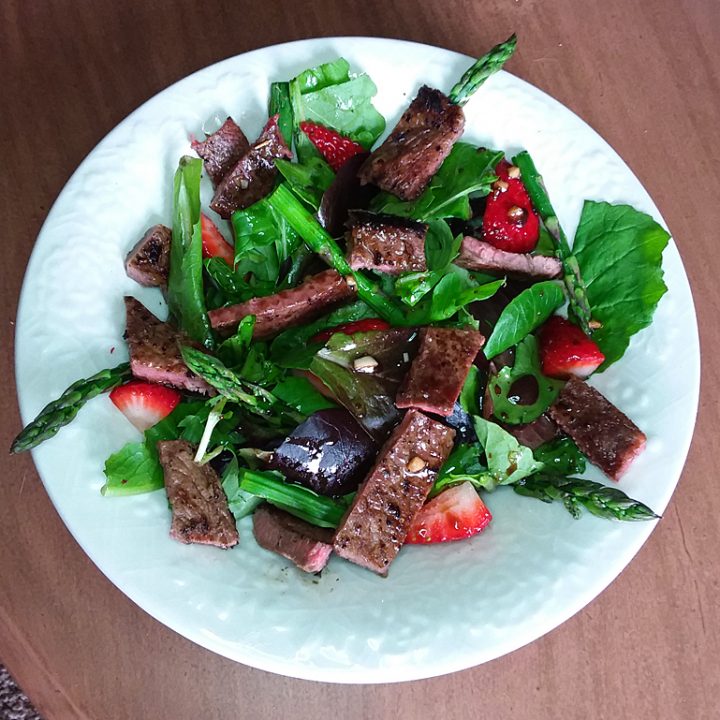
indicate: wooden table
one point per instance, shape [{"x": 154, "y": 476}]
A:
[{"x": 646, "y": 76}]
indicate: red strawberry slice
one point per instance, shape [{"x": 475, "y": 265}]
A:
[
  {"x": 351, "y": 328},
  {"x": 456, "y": 513},
  {"x": 144, "y": 404},
  {"x": 566, "y": 350},
  {"x": 510, "y": 222},
  {"x": 213, "y": 243},
  {"x": 334, "y": 147}
]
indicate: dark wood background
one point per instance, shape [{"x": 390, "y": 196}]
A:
[{"x": 646, "y": 75}]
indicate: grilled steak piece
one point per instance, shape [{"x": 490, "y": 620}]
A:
[
  {"x": 417, "y": 146},
  {"x": 307, "y": 546},
  {"x": 222, "y": 150},
  {"x": 200, "y": 511},
  {"x": 439, "y": 370},
  {"x": 155, "y": 351},
  {"x": 287, "y": 308},
  {"x": 148, "y": 263},
  {"x": 329, "y": 453},
  {"x": 385, "y": 243},
  {"x": 253, "y": 176},
  {"x": 608, "y": 437},
  {"x": 479, "y": 255},
  {"x": 374, "y": 528}
]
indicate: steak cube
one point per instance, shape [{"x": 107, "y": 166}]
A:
[
  {"x": 155, "y": 350},
  {"x": 417, "y": 146},
  {"x": 439, "y": 370},
  {"x": 307, "y": 546},
  {"x": 253, "y": 176},
  {"x": 148, "y": 263},
  {"x": 222, "y": 150},
  {"x": 200, "y": 511},
  {"x": 608, "y": 437},
  {"x": 374, "y": 528},
  {"x": 386, "y": 243},
  {"x": 287, "y": 308},
  {"x": 482, "y": 256}
]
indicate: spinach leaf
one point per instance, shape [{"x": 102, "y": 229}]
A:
[
  {"x": 619, "y": 251},
  {"x": 440, "y": 246},
  {"x": 308, "y": 180},
  {"x": 527, "y": 363},
  {"x": 466, "y": 171},
  {"x": 464, "y": 465},
  {"x": 281, "y": 106},
  {"x": 233, "y": 351},
  {"x": 561, "y": 457},
  {"x": 470, "y": 394},
  {"x": 186, "y": 298},
  {"x": 301, "y": 394},
  {"x": 322, "y": 76},
  {"x": 412, "y": 287},
  {"x": 522, "y": 315},
  {"x": 228, "y": 286}
]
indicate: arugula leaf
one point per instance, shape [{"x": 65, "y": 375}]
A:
[
  {"x": 308, "y": 180},
  {"x": 508, "y": 461},
  {"x": 280, "y": 105},
  {"x": 301, "y": 394},
  {"x": 466, "y": 171},
  {"x": 619, "y": 250},
  {"x": 233, "y": 351},
  {"x": 440, "y": 246},
  {"x": 186, "y": 298},
  {"x": 527, "y": 363},
  {"x": 525, "y": 312},
  {"x": 561, "y": 457}
]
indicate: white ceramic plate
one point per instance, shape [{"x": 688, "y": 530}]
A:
[{"x": 442, "y": 608}]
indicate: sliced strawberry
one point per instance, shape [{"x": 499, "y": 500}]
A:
[
  {"x": 456, "y": 513},
  {"x": 351, "y": 328},
  {"x": 566, "y": 350},
  {"x": 334, "y": 147},
  {"x": 144, "y": 404},
  {"x": 510, "y": 222},
  {"x": 213, "y": 243}
]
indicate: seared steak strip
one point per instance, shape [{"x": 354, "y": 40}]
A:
[
  {"x": 374, "y": 528},
  {"x": 253, "y": 177},
  {"x": 608, "y": 437},
  {"x": 200, "y": 511},
  {"x": 479, "y": 255},
  {"x": 417, "y": 146},
  {"x": 155, "y": 351},
  {"x": 148, "y": 263},
  {"x": 439, "y": 370},
  {"x": 287, "y": 308},
  {"x": 385, "y": 243},
  {"x": 222, "y": 150},
  {"x": 307, "y": 546}
]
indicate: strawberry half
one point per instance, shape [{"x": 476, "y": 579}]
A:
[
  {"x": 144, "y": 404},
  {"x": 566, "y": 350},
  {"x": 213, "y": 243},
  {"x": 334, "y": 147},
  {"x": 456, "y": 513},
  {"x": 351, "y": 328},
  {"x": 510, "y": 222}
]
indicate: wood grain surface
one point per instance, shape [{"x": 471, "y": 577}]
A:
[{"x": 646, "y": 75}]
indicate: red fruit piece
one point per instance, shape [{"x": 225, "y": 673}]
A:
[
  {"x": 566, "y": 350},
  {"x": 510, "y": 222},
  {"x": 351, "y": 328},
  {"x": 144, "y": 404},
  {"x": 213, "y": 243},
  {"x": 456, "y": 513},
  {"x": 333, "y": 146}
]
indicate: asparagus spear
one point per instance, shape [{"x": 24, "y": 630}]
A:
[
  {"x": 574, "y": 285},
  {"x": 319, "y": 241},
  {"x": 295, "y": 499},
  {"x": 481, "y": 70},
  {"x": 63, "y": 410},
  {"x": 281, "y": 106},
  {"x": 575, "y": 493}
]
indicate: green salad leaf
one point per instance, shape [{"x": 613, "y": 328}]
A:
[
  {"x": 441, "y": 248},
  {"x": 240, "y": 502},
  {"x": 561, "y": 457},
  {"x": 280, "y": 105},
  {"x": 308, "y": 179},
  {"x": 466, "y": 171},
  {"x": 186, "y": 297},
  {"x": 528, "y": 310},
  {"x": 619, "y": 250},
  {"x": 301, "y": 394}
]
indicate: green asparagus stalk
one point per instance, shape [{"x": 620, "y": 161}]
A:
[
  {"x": 319, "y": 241},
  {"x": 295, "y": 499},
  {"x": 229, "y": 384},
  {"x": 481, "y": 70},
  {"x": 63, "y": 410},
  {"x": 575, "y": 493},
  {"x": 281, "y": 106},
  {"x": 574, "y": 285}
]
